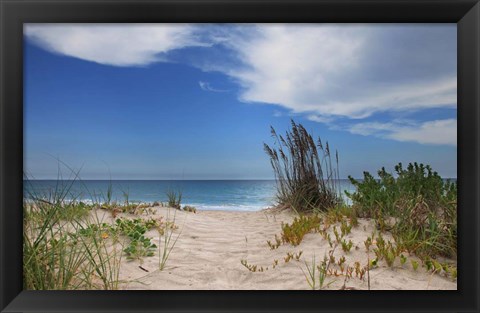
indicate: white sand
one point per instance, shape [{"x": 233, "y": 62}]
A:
[{"x": 211, "y": 245}]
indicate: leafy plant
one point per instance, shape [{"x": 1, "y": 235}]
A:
[
  {"x": 414, "y": 264},
  {"x": 275, "y": 245},
  {"x": 139, "y": 245},
  {"x": 345, "y": 228},
  {"x": 368, "y": 242},
  {"x": 292, "y": 256},
  {"x": 293, "y": 233},
  {"x": 386, "y": 250},
  {"x": 423, "y": 207},
  {"x": 346, "y": 246}
]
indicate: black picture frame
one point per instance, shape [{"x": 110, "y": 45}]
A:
[{"x": 466, "y": 13}]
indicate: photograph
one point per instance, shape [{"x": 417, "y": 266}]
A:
[{"x": 240, "y": 156}]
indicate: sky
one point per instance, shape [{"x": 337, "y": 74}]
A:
[{"x": 196, "y": 101}]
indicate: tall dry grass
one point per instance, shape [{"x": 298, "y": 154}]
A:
[{"x": 307, "y": 178}]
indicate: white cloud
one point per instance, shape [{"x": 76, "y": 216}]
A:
[
  {"x": 319, "y": 118},
  {"x": 277, "y": 113},
  {"x": 438, "y": 132},
  {"x": 440, "y": 93},
  {"x": 320, "y": 70},
  {"x": 324, "y": 72},
  {"x": 372, "y": 128},
  {"x": 287, "y": 64},
  {"x": 206, "y": 86},
  {"x": 113, "y": 44}
]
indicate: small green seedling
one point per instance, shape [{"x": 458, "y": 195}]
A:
[
  {"x": 346, "y": 246},
  {"x": 368, "y": 243},
  {"x": 414, "y": 264},
  {"x": 390, "y": 258},
  {"x": 337, "y": 235}
]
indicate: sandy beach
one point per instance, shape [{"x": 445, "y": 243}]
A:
[
  {"x": 240, "y": 157},
  {"x": 211, "y": 245}
]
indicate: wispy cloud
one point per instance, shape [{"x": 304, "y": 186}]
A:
[
  {"x": 320, "y": 118},
  {"x": 114, "y": 44},
  {"x": 206, "y": 86},
  {"x": 277, "y": 113},
  {"x": 437, "y": 132},
  {"x": 438, "y": 93}
]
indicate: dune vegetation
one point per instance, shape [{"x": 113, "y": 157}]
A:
[
  {"x": 408, "y": 219},
  {"x": 68, "y": 245},
  {"x": 414, "y": 206}
]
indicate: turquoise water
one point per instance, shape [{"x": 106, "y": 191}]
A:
[{"x": 243, "y": 195}]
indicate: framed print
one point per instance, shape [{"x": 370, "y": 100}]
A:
[{"x": 252, "y": 156}]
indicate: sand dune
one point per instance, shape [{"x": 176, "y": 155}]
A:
[{"x": 211, "y": 245}]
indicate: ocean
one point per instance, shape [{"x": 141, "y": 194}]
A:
[{"x": 239, "y": 195}]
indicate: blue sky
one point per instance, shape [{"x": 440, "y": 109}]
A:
[{"x": 159, "y": 101}]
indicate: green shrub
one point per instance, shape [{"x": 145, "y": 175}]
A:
[
  {"x": 386, "y": 194},
  {"x": 422, "y": 204}
]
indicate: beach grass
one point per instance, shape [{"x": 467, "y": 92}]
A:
[
  {"x": 307, "y": 178},
  {"x": 174, "y": 199},
  {"x": 168, "y": 245},
  {"x": 63, "y": 254}
]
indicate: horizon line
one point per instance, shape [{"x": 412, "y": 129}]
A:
[{"x": 209, "y": 179}]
